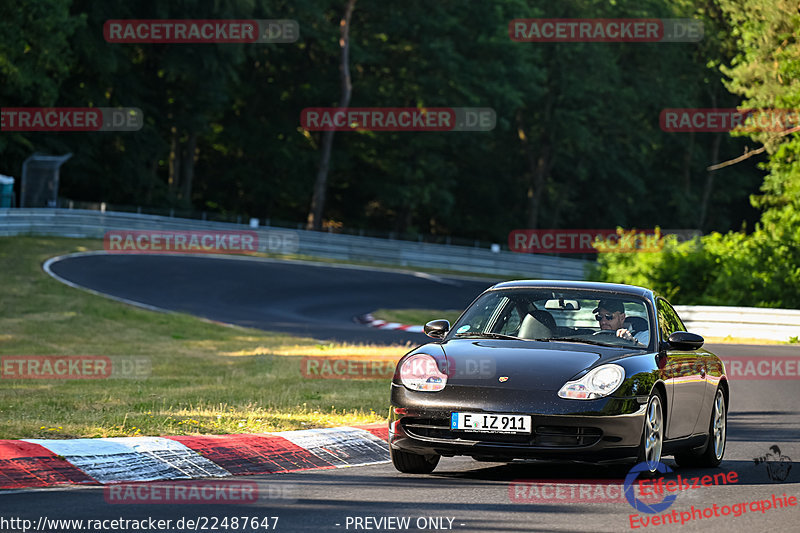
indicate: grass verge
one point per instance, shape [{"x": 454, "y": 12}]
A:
[
  {"x": 204, "y": 378},
  {"x": 415, "y": 317}
]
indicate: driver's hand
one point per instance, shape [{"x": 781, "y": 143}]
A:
[{"x": 625, "y": 334}]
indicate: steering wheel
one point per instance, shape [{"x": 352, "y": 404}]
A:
[
  {"x": 613, "y": 333},
  {"x": 606, "y": 332}
]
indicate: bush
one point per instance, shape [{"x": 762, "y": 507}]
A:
[{"x": 757, "y": 270}]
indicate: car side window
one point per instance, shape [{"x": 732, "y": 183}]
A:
[{"x": 668, "y": 320}]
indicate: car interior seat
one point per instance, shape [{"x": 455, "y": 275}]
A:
[
  {"x": 545, "y": 318},
  {"x": 636, "y": 323},
  {"x": 534, "y": 325}
]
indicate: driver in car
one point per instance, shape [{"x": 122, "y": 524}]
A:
[{"x": 611, "y": 316}]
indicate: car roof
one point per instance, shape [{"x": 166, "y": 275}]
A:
[{"x": 585, "y": 285}]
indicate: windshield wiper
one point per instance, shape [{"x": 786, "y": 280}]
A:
[
  {"x": 487, "y": 335},
  {"x": 585, "y": 341}
]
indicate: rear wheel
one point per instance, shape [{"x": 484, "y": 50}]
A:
[
  {"x": 652, "y": 434},
  {"x": 412, "y": 463},
  {"x": 711, "y": 456}
]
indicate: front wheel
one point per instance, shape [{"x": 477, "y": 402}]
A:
[
  {"x": 412, "y": 463},
  {"x": 711, "y": 456},
  {"x": 652, "y": 434}
]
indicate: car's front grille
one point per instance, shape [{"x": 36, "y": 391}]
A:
[{"x": 542, "y": 436}]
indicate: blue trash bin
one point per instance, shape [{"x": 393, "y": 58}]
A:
[{"x": 6, "y": 191}]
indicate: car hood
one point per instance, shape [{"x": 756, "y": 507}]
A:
[{"x": 527, "y": 365}]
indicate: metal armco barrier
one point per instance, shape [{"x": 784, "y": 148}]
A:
[
  {"x": 741, "y": 322},
  {"x": 94, "y": 224}
]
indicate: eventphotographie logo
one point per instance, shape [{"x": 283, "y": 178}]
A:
[
  {"x": 542, "y": 30},
  {"x": 778, "y": 465},
  {"x": 398, "y": 119},
  {"x": 75, "y": 119},
  {"x": 640, "y": 504},
  {"x": 669, "y": 489},
  {"x": 692, "y": 514}
]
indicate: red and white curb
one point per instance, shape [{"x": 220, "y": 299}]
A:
[
  {"x": 44, "y": 462},
  {"x": 371, "y": 321}
]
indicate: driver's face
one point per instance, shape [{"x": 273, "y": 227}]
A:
[{"x": 617, "y": 319}]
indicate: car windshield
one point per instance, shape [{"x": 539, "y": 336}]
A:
[{"x": 563, "y": 315}]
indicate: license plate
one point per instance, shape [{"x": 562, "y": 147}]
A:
[{"x": 491, "y": 423}]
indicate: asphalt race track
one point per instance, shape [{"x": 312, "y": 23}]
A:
[
  {"x": 307, "y": 299},
  {"x": 462, "y": 494}
]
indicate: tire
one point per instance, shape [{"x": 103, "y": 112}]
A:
[
  {"x": 412, "y": 463},
  {"x": 711, "y": 455},
  {"x": 652, "y": 441}
]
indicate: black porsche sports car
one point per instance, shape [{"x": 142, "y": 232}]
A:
[{"x": 560, "y": 370}]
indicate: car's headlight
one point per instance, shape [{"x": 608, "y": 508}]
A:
[
  {"x": 597, "y": 383},
  {"x": 420, "y": 372}
]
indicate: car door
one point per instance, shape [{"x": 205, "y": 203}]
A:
[{"x": 686, "y": 375}]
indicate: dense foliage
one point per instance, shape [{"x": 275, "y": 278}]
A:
[
  {"x": 577, "y": 142},
  {"x": 761, "y": 268}
]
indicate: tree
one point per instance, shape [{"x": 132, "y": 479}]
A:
[{"x": 320, "y": 184}]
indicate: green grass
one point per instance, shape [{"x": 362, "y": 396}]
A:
[
  {"x": 205, "y": 377},
  {"x": 416, "y": 317}
]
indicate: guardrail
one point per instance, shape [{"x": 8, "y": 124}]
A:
[
  {"x": 741, "y": 322},
  {"x": 94, "y": 224}
]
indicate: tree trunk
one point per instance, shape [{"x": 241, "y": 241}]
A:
[
  {"x": 540, "y": 168},
  {"x": 174, "y": 163},
  {"x": 539, "y": 162},
  {"x": 187, "y": 167},
  {"x": 687, "y": 167},
  {"x": 314, "y": 220},
  {"x": 709, "y": 183}
]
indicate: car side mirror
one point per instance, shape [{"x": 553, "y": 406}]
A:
[
  {"x": 683, "y": 340},
  {"x": 437, "y": 328}
]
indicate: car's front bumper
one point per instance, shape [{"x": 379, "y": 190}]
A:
[{"x": 585, "y": 430}]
